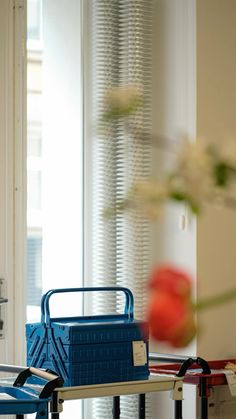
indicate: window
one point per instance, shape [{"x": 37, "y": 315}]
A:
[
  {"x": 54, "y": 152},
  {"x": 54, "y": 158},
  {"x": 54, "y": 149},
  {"x": 34, "y": 27}
]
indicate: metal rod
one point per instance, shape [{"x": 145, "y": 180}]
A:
[
  {"x": 54, "y": 406},
  {"x": 167, "y": 357},
  {"x": 116, "y": 407},
  {"x": 203, "y": 393},
  {"x": 204, "y": 408},
  {"x": 142, "y": 406},
  {"x": 11, "y": 368},
  {"x": 178, "y": 409}
]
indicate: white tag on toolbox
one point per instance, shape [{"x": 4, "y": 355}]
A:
[
  {"x": 231, "y": 379},
  {"x": 139, "y": 353}
]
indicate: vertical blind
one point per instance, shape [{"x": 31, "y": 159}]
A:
[{"x": 122, "y": 55}]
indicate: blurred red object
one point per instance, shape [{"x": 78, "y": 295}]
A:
[
  {"x": 172, "y": 280},
  {"x": 170, "y": 309}
]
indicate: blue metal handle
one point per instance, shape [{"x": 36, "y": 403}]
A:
[{"x": 45, "y": 311}]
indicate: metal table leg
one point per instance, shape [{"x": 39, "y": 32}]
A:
[
  {"x": 116, "y": 407},
  {"x": 178, "y": 398},
  {"x": 54, "y": 406},
  {"x": 19, "y": 416},
  {"x": 178, "y": 409},
  {"x": 142, "y": 406},
  {"x": 203, "y": 393},
  {"x": 204, "y": 408}
]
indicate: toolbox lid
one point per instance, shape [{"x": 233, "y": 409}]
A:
[{"x": 97, "y": 321}]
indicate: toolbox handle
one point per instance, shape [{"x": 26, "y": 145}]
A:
[
  {"x": 53, "y": 380},
  {"x": 45, "y": 311}
]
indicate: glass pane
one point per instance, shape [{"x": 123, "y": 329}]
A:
[
  {"x": 54, "y": 160},
  {"x": 54, "y": 155},
  {"x": 34, "y": 28}
]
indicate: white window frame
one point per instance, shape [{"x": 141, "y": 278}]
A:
[
  {"x": 12, "y": 182},
  {"x": 6, "y": 175},
  {"x": 20, "y": 177}
]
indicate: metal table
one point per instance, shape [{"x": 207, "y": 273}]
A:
[
  {"x": 18, "y": 397},
  {"x": 153, "y": 384},
  {"x": 203, "y": 374}
]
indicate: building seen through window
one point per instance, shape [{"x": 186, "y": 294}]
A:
[{"x": 54, "y": 152}]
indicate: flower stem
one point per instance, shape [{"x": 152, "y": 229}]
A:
[{"x": 216, "y": 300}]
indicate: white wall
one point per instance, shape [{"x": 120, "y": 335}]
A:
[
  {"x": 174, "y": 112},
  {"x": 216, "y": 121}
]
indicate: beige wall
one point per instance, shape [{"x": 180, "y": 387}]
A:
[{"x": 216, "y": 121}]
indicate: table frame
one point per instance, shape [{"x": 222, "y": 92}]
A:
[{"x": 153, "y": 384}]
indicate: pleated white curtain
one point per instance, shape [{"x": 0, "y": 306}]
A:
[{"x": 121, "y": 248}]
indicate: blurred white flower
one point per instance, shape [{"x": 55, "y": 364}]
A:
[
  {"x": 149, "y": 195},
  {"x": 193, "y": 174},
  {"x": 202, "y": 173}
]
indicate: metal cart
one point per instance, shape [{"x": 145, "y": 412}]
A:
[
  {"x": 20, "y": 396},
  {"x": 203, "y": 374}
]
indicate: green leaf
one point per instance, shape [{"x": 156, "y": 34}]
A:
[
  {"x": 116, "y": 112},
  {"x": 178, "y": 196},
  {"x": 181, "y": 197},
  {"x": 221, "y": 174}
]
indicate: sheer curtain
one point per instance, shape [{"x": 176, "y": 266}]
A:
[{"x": 120, "y": 55}]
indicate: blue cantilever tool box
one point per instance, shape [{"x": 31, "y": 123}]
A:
[{"x": 92, "y": 349}]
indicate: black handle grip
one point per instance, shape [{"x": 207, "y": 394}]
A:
[
  {"x": 200, "y": 361},
  {"x": 185, "y": 360},
  {"x": 53, "y": 380}
]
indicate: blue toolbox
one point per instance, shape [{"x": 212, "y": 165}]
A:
[{"x": 91, "y": 349}]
